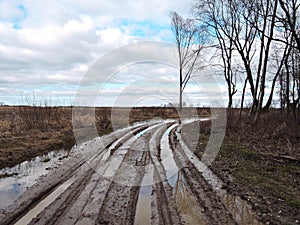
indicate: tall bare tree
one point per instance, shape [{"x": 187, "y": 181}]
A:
[
  {"x": 225, "y": 22},
  {"x": 189, "y": 45},
  {"x": 249, "y": 28},
  {"x": 289, "y": 83},
  {"x": 289, "y": 80},
  {"x": 290, "y": 18}
]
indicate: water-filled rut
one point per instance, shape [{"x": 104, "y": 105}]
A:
[{"x": 144, "y": 174}]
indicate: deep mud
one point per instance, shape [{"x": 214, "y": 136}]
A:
[
  {"x": 261, "y": 170},
  {"x": 137, "y": 175}
]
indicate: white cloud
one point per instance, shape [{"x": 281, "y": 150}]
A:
[
  {"x": 112, "y": 37},
  {"x": 10, "y": 10},
  {"x": 51, "y": 44}
]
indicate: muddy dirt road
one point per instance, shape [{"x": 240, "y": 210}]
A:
[{"x": 144, "y": 174}]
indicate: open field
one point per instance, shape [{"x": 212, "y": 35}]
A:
[
  {"x": 256, "y": 173},
  {"x": 144, "y": 176},
  {"x": 26, "y": 132}
]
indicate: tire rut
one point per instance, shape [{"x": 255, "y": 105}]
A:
[
  {"x": 105, "y": 186},
  {"x": 62, "y": 204},
  {"x": 212, "y": 206},
  {"x": 164, "y": 204},
  {"x": 120, "y": 201}
]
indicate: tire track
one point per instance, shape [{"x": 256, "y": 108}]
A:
[
  {"x": 122, "y": 176},
  {"x": 165, "y": 207},
  {"x": 211, "y": 204},
  {"x": 63, "y": 202},
  {"x": 240, "y": 210},
  {"x": 121, "y": 199},
  {"x": 83, "y": 174}
]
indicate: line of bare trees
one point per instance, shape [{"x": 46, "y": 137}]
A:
[{"x": 260, "y": 41}]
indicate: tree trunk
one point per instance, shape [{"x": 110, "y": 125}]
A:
[
  {"x": 243, "y": 98},
  {"x": 287, "y": 87},
  {"x": 230, "y": 95},
  {"x": 180, "y": 90}
]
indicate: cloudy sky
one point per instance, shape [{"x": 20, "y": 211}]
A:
[{"x": 47, "y": 47}]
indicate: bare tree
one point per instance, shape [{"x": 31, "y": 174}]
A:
[
  {"x": 227, "y": 48},
  {"x": 290, "y": 18},
  {"x": 289, "y": 80},
  {"x": 189, "y": 45},
  {"x": 225, "y": 21},
  {"x": 289, "y": 83},
  {"x": 247, "y": 27},
  {"x": 280, "y": 58}
]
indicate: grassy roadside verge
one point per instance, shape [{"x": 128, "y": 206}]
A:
[
  {"x": 270, "y": 184},
  {"x": 260, "y": 165}
]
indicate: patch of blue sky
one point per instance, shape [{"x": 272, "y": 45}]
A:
[
  {"x": 113, "y": 86},
  {"x": 96, "y": 88},
  {"x": 46, "y": 88},
  {"x": 23, "y": 9},
  {"x": 18, "y": 19},
  {"x": 143, "y": 29},
  {"x": 60, "y": 87},
  {"x": 10, "y": 99},
  {"x": 17, "y": 26},
  {"x": 149, "y": 24}
]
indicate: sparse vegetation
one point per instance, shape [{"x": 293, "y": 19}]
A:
[
  {"x": 29, "y": 131},
  {"x": 264, "y": 170},
  {"x": 260, "y": 163}
]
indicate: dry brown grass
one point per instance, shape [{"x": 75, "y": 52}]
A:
[
  {"x": 28, "y": 131},
  {"x": 260, "y": 163}
]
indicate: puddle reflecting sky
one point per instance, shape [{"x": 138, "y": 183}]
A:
[
  {"x": 26, "y": 175},
  {"x": 167, "y": 158},
  {"x": 240, "y": 209}
]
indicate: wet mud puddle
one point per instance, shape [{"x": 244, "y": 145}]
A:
[
  {"x": 240, "y": 209},
  {"x": 17, "y": 179},
  {"x": 44, "y": 203},
  {"x": 108, "y": 172},
  {"x": 167, "y": 158},
  {"x": 187, "y": 204},
  {"x": 143, "y": 208}
]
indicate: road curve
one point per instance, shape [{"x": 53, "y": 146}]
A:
[{"x": 138, "y": 175}]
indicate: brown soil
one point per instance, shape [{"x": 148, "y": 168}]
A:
[
  {"x": 261, "y": 164},
  {"x": 97, "y": 193}
]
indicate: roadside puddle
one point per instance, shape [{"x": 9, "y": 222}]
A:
[
  {"x": 143, "y": 207},
  {"x": 44, "y": 203},
  {"x": 16, "y": 179},
  {"x": 241, "y": 211},
  {"x": 189, "y": 209},
  {"x": 167, "y": 158}
]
